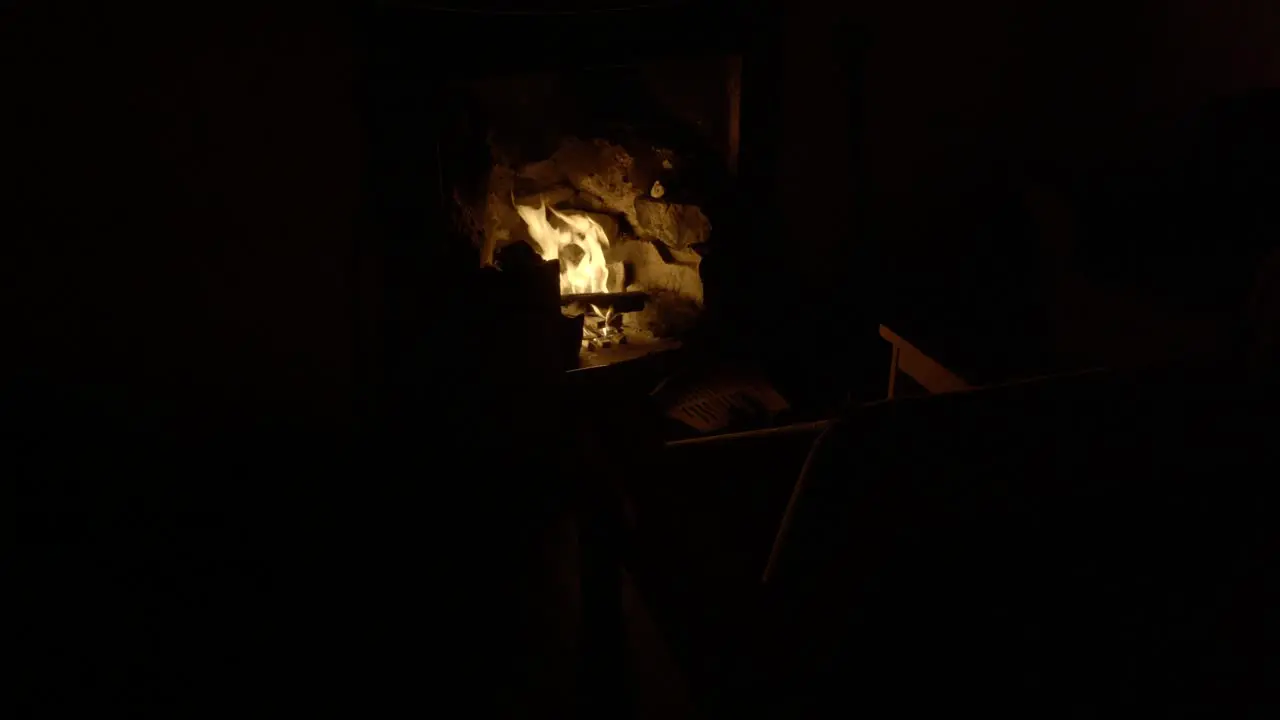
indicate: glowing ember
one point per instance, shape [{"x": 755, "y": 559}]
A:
[
  {"x": 605, "y": 316},
  {"x": 583, "y": 270},
  {"x": 603, "y": 329}
]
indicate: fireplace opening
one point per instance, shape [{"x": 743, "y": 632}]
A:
[
  {"x": 609, "y": 182},
  {"x": 613, "y": 178}
]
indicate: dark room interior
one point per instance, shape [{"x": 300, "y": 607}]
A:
[{"x": 662, "y": 359}]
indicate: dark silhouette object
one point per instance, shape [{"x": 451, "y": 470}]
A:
[{"x": 1051, "y": 547}]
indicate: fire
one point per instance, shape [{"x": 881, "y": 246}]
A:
[
  {"x": 580, "y": 272},
  {"x": 605, "y": 316}
]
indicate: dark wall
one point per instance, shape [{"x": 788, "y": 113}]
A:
[
  {"x": 954, "y": 96},
  {"x": 960, "y": 108},
  {"x": 187, "y": 191}
]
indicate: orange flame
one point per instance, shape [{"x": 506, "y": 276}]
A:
[{"x": 590, "y": 274}]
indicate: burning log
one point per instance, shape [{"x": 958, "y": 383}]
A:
[
  {"x": 677, "y": 226},
  {"x": 540, "y": 176},
  {"x": 622, "y": 302},
  {"x": 553, "y": 196},
  {"x": 653, "y": 272},
  {"x": 600, "y": 169}
]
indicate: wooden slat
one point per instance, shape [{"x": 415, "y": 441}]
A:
[{"x": 931, "y": 375}]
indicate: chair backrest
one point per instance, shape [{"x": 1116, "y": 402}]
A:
[{"x": 1057, "y": 542}]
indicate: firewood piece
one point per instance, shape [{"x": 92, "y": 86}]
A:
[
  {"x": 652, "y": 272},
  {"x": 618, "y": 302},
  {"x": 600, "y": 169},
  {"x": 677, "y": 226},
  {"x": 542, "y": 174},
  {"x": 551, "y": 196}
]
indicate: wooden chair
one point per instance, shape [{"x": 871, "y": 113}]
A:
[{"x": 1041, "y": 548}]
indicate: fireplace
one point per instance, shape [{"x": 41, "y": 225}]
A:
[
  {"x": 607, "y": 178},
  {"x": 597, "y": 152},
  {"x": 623, "y": 166}
]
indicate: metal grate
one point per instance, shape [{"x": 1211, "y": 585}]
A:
[{"x": 714, "y": 405}]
